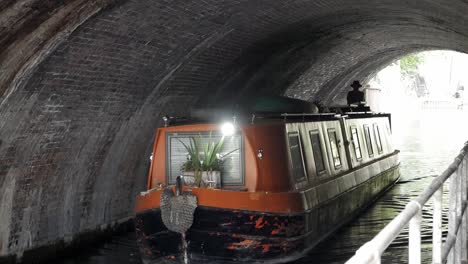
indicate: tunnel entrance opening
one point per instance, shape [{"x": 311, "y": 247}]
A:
[{"x": 428, "y": 87}]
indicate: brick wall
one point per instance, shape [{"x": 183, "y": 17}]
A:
[{"x": 81, "y": 97}]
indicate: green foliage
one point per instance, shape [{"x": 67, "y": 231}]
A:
[
  {"x": 410, "y": 63},
  {"x": 203, "y": 158}
]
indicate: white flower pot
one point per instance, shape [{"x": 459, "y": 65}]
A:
[
  {"x": 189, "y": 178},
  {"x": 210, "y": 179}
]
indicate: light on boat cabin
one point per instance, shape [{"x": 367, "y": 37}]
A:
[{"x": 227, "y": 129}]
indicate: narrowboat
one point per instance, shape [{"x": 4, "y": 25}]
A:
[{"x": 286, "y": 182}]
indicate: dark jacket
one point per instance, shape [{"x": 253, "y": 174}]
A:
[{"x": 355, "y": 97}]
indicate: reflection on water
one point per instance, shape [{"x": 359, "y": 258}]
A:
[
  {"x": 119, "y": 250},
  {"x": 428, "y": 143}
]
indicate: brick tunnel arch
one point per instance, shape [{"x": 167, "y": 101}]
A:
[{"x": 81, "y": 95}]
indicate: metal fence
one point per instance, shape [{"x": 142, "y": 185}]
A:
[{"x": 454, "y": 249}]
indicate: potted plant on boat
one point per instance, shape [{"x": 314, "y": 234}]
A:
[{"x": 204, "y": 162}]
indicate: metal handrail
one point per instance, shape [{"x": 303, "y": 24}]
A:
[{"x": 371, "y": 252}]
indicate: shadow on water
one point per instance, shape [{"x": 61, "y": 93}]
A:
[
  {"x": 119, "y": 250},
  {"x": 428, "y": 144}
]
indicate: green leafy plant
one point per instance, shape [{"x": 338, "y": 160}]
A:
[
  {"x": 409, "y": 64},
  {"x": 203, "y": 157}
]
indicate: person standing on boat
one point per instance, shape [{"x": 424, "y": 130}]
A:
[{"x": 355, "y": 96}]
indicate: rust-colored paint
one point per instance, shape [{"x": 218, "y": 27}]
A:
[
  {"x": 260, "y": 223},
  {"x": 280, "y": 228},
  {"x": 246, "y": 243},
  {"x": 249, "y": 244},
  {"x": 283, "y": 202},
  {"x": 266, "y": 247}
]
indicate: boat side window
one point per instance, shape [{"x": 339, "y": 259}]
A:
[
  {"x": 317, "y": 151},
  {"x": 295, "y": 152},
  {"x": 377, "y": 138},
  {"x": 355, "y": 139},
  {"x": 334, "y": 148},
  {"x": 367, "y": 134},
  {"x": 231, "y": 154}
]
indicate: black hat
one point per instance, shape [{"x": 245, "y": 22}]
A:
[{"x": 356, "y": 84}]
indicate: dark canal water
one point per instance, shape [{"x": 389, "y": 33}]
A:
[{"x": 428, "y": 143}]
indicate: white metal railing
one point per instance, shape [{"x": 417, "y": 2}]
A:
[{"x": 455, "y": 247}]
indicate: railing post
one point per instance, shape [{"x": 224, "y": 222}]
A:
[
  {"x": 453, "y": 213},
  {"x": 414, "y": 245},
  {"x": 437, "y": 227},
  {"x": 458, "y": 210},
  {"x": 460, "y": 243},
  {"x": 463, "y": 237},
  {"x": 367, "y": 254}
]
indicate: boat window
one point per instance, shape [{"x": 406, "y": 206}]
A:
[
  {"x": 297, "y": 162},
  {"x": 317, "y": 151},
  {"x": 355, "y": 139},
  {"x": 231, "y": 153},
  {"x": 377, "y": 138},
  {"x": 334, "y": 148},
  {"x": 367, "y": 134}
]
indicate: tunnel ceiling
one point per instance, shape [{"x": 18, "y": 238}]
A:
[{"x": 83, "y": 85}]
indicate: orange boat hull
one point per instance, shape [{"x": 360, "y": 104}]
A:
[{"x": 277, "y": 235}]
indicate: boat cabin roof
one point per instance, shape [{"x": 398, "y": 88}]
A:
[{"x": 256, "y": 118}]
